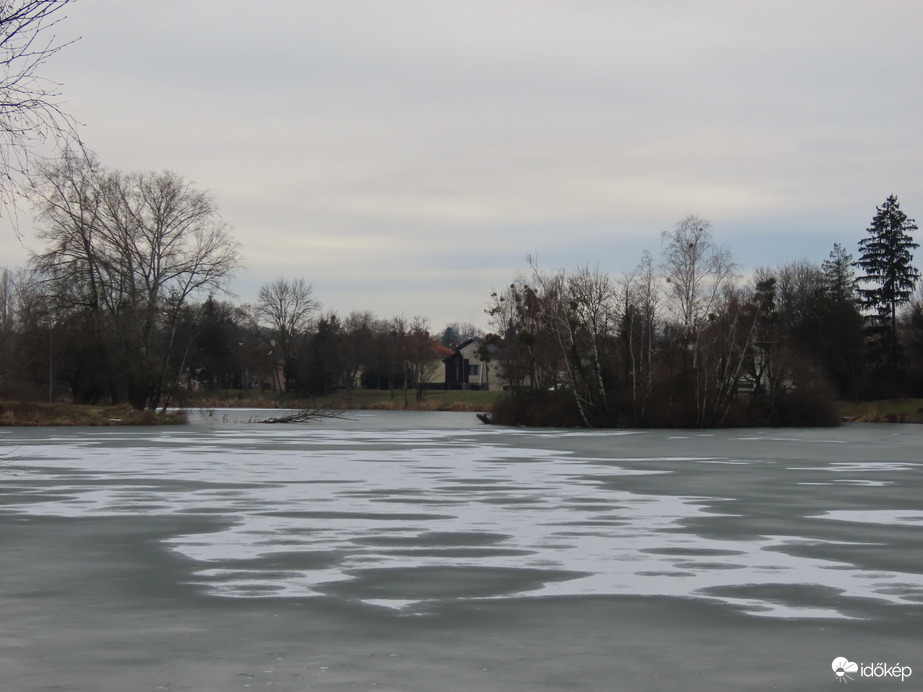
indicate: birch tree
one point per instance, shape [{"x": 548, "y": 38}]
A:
[{"x": 697, "y": 273}]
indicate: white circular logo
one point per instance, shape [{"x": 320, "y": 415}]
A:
[{"x": 841, "y": 666}]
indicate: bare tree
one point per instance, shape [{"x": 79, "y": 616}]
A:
[
  {"x": 124, "y": 253},
  {"x": 696, "y": 271},
  {"x": 578, "y": 311},
  {"x": 389, "y": 358},
  {"x": 422, "y": 359},
  {"x": 7, "y": 326},
  {"x": 528, "y": 355},
  {"x": 284, "y": 308},
  {"x": 398, "y": 332},
  {"x": 358, "y": 346},
  {"x": 169, "y": 241},
  {"x": 69, "y": 202},
  {"x": 699, "y": 275},
  {"x": 30, "y": 111},
  {"x": 639, "y": 295},
  {"x": 589, "y": 299},
  {"x": 26, "y": 342},
  {"x": 7, "y": 301}
]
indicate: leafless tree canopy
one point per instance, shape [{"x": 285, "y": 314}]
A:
[
  {"x": 30, "y": 112},
  {"x": 282, "y": 314},
  {"x": 284, "y": 306},
  {"x": 118, "y": 238},
  {"x": 697, "y": 270},
  {"x": 124, "y": 253}
]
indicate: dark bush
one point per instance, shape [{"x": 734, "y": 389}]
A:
[{"x": 541, "y": 409}]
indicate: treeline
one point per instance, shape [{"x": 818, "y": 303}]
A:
[
  {"x": 298, "y": 348},
  {"x": 123, "y": 304},
  {"x": 685, "y": 341},
  {"x": 284, "y": 342}
]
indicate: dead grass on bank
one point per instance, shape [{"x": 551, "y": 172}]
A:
[
  {"x": 31, "y": 414},
  {"x": 234, "y": 402},
  {"x": 375, "y": 400},
  {"x": 884, "y": 411}
]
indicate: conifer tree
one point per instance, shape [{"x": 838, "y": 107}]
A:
[
  {"x": 839, "y": 277},
  {"x": 886, "y": 257},
  {"x": 840, "y": 325}
]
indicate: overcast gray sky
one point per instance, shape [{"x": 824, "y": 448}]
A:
[{"x": 404, "y": 156}]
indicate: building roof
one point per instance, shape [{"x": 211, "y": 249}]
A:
[{"x": 440, "y": 351}]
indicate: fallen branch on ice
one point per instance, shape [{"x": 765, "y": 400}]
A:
[{"x": 304, "y": 415}]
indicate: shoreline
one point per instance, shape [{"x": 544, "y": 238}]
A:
[{"x": 44, "y": 414}]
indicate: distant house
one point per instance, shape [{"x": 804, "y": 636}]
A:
[
  {"x": 433, "y": 376},
  {"x": 418, "y": 367},
  {"x": 465, "y": 369}
]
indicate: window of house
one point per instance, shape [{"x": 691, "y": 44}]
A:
[{"x": 474, "y": 370}]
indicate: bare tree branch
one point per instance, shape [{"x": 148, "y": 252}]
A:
[{"x": 30, "y": 105}]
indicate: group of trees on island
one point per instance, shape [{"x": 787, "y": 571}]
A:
[{"x": 686, "y": 341}]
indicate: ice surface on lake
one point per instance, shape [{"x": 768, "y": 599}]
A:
[{"x": 333, "y": 509}]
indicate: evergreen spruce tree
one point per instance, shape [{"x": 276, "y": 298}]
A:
[
  {"x": 840, "y": 324},
  {"x": 885, "y": 257},
  {"x": 839, "y": 277}
]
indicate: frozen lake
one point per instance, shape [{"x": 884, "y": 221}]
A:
[{"x": 407, "y": 520}]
